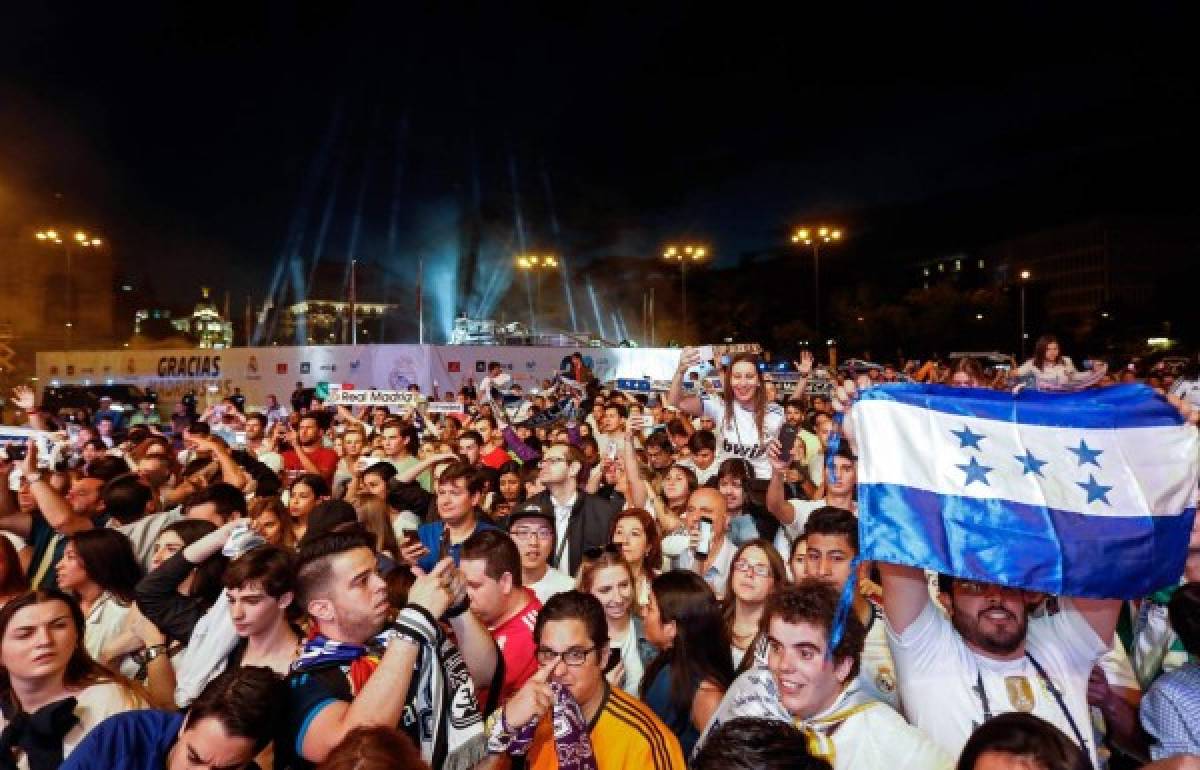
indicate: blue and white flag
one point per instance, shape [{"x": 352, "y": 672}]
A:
[{"x": 1081, "y": 494}]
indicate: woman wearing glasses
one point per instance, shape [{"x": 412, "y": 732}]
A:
[
  {"x": 757, "y": 571},
  {"x": 684, "y": 684},
  {"x": 607, "y": 576}
]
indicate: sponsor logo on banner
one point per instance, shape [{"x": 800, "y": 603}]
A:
[
  {"x": 54, "y": 370},
  {"x": 305, "y": 367},
  {"x": 354, "y": 365},
  {"x": 70, "y": 370},
  {"x": 252, "y": 367},
  {"x": 373, "y": 397},
  {"x": 130, "y": 368},
  {"x": 531, "y": 365},
  {"x": 281, "y": 368},
  {"x": 480, "y": 366},
  {"x": 329, "y": 367},
  {"x": 443, "y": 407},
  {"x": 453, "y": 367}
]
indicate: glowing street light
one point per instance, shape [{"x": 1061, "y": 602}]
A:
[
  {"x": 683, "y": 255},
  {"x": 1025, "y": 276},
  {"x": 535, "y": 264},
  {"x": 84, "y": 241},
  {"x": 814, "y": 237}
]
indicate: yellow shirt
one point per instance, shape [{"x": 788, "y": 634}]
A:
[{"x": 626, "y": 735}]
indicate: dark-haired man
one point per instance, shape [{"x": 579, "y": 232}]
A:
[
  {"x": 227, "y": 726},
  {"x": 572, "y": 648},
  {"x": 839, "y": 493},
  {"x": 985, "y": 657},
  {"x": 307, "y": 454},
  {"x": 812, "y": 682},
  {"x": 532, "y": 529},
  {"x": 492, "y": 569},
  {"x": 459, "y": 490},
  {"x": 754, "y": 743},
  {"x": 357, "y": 670}
]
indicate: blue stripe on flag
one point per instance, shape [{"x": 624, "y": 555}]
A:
[
  {"x": 1120, "y": 406},
  {"x": 1033, "y": 547}
]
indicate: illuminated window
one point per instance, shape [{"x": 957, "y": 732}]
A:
[{"x": 958, "y": 264}]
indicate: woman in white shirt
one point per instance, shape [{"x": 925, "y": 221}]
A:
[
  {"x": 46, "y": 671},
  {"x": 99, "y": 569},
  {"x": 746, "y": 419},
  {"x": 606, "y": 575},
  {"x": 1051, "y": 370}
]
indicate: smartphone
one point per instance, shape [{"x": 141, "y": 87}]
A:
[
  {"x": 706, "y": 353},
  {"x": 16, "y": 452},
  {"x": 787, "y": 440},
  {"x": 706, "y": 533},
  {"x": 410, "y": 536}
]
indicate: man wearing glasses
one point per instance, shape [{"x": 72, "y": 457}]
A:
[
  {"x": 532, "y": 529},
  {"x": 622, "y": 732},
  {"x": 581, "y": 520}
]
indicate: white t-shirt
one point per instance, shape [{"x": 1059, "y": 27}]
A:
[
  {"x": 876, "y": 671},
  {"x": 938, "y": 674},
  {"x": 553, "y": 582},
  {"x": 787, "y": 533},
  {"x": 740, "y": 438}
]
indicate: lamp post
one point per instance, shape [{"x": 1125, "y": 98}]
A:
[
  {"x": 84, "y": 241},
  {"x": 1025, "y": 276},
  {"x": 683, "y": 255},
  {"x": 536, "y": 264},
  {"x": 815, "y": 237}
]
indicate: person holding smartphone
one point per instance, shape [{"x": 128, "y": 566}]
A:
[
  {"x": 746, "y": 419},
  {"x": 709, "y": 553}
]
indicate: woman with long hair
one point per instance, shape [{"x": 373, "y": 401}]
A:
[
  {"x": 1051, "y": 370},
  {"x": 746, "y": 419},
  {"x": 635, "y": 532},
  {"x": 756, "y": 571},
  {"x": 12, "y": 577},
  {"x": 684, "y": 684},
  {"x": 272, "y": 520},
  {"x": 678, "y": 484},
  {"x": 303, "y": 495},
  {"x": 607, "y": 576},
  {"x": 376, "y": 517},
  {"x": 99, "y": 569},
  {"x": 47, "y": 677},
  {"x": 967, "y": 373}
]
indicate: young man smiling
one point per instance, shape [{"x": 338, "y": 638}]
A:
[{"x": 815, "y": 687}]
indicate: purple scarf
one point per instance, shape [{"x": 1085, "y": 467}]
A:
[{"x": 572, "y": 743}]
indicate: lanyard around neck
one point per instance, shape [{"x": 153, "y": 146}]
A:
[{"x": 1050, "y": 687}]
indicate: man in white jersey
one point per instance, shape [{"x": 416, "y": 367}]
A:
[{"x": 982, "y": 657}]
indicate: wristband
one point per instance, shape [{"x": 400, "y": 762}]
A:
[
  {"x": 458, "y": 609},
  {"x": 34, "y": 477}
]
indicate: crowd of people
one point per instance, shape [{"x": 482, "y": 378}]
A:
[{"x": 577, "y": 577}]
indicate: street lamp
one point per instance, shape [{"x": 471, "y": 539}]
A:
[
  {"x": 84, "y": 241},
  {"x": 683, "y": 255},
  {"x": 815, "y": 237},
  {"x": 1025, "y": 276},
  {"x": 536, "y": 264}
]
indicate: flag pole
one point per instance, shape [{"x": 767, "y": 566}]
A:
[{"x": 420, "y": 301}]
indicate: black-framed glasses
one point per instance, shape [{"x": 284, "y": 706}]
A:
[
  {"x": 529, "y": 534},
  {"x": 574, "y": 657},
  {"x": 596, "y": 551},
  {"x": 758, "y": 570}
]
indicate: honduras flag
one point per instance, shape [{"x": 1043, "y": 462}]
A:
[{"x": 1080, "y": 494}]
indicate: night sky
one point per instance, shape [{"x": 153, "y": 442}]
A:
[{"x": 212, "y": 137}]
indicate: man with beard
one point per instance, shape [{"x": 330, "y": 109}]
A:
[
  {"x": 307, "y": 455},
  {"x": 981, "y": 657}
]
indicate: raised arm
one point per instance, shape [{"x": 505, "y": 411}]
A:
[
  {"x": 411, "y": 473},
  {"x": 54, "y": 507},
  {"x": 691, "y": 404},
  {"x": 905, "y": 594},
  {"x": 777, "y": 502}
]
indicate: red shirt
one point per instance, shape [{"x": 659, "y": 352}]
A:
[
  {"x": 495, "y": 458},
  {"x": 515, "y": 639},
  {"x": 325, "y": 459}
]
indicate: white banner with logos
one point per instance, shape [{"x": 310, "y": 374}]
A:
[{"x": 259, "y": 372}]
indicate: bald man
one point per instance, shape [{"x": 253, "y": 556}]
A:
[{"x": 714, "y": 563}]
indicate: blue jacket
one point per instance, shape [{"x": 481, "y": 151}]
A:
[
  {"x": 431, "y": 537},
  {"x": 133, "y": 740}
]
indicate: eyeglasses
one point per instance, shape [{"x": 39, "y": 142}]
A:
[
  {"x": 574, "y": 657},
  {"x": 596, "y": 551},
  {"x": 758, "y": 570},
  {"x": 530, "y": 534},
  {"x": 548, "y": 460}
]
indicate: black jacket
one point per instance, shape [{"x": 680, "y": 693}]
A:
[
  {"x": 159, "y": 599},
  {"x": 588, "y": 527}
]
